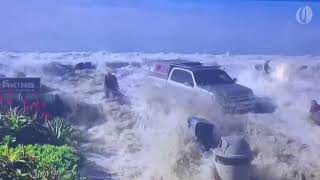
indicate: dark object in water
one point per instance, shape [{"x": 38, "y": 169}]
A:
[
  {"x": 315, "y": 107},
  {"x": 315, "y": 112},
  {"x": 233, "y": 158},
  {"x": 232, "y": 154},
  {"x": 111, "y": 86},
  {"x": 112, "y": 90},
  {"x": 85, "y": 65},
  {"x": 206, "y": 133},
  {"x": 303, "y": 67},
  {"x": 266, "y": 67}
]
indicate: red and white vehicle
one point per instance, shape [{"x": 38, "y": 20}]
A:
[{"x": 204, "y": 84}]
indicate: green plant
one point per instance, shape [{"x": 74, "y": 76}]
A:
[
  {"x": 16, "y": 120},
  {"x": 50, "y": 162},
  {"x": 15, "y": 165},
  {"x": 64, "y": 159},
  {"x": 8, "y": 140},
  {"x": 48, "y": 173},
  {"x": 16, "y": 169},
  {"x": 60, "y": 132}
]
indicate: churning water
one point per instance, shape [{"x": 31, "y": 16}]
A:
[{"x": 148, "y": 138}]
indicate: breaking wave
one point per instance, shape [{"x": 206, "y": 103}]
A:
[{"x": 148, "y": 138}]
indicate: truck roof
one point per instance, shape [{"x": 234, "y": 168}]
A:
[
  {"x": 197, "y": 68},
  {"x": 161, "y": 68},
  {"x": 178, "y": 62}
]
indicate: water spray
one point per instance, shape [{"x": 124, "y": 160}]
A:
[{"x": 232, "y": 154}]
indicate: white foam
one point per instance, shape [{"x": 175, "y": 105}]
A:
[{"x": 149, "y": 140}]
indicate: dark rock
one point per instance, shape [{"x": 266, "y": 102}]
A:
[{"x": 85, "y": 65}]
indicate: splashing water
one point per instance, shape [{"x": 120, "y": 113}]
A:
[{"x": 149, "y": 139}]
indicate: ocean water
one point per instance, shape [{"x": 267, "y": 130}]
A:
[{"x": 148, "y": 138}]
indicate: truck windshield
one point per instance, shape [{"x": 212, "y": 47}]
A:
[{"x": 211, "y": 77}]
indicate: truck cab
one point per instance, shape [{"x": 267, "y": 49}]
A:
[{"x": 204, "y": 83}]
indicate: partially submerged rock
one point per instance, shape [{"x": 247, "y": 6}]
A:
[{"x": 84, "y": 65}]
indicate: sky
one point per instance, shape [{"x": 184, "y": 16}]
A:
[{"x": 183, "y": 26}]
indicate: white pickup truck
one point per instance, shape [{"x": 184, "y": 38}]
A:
[{"x": 203, "y": 84}]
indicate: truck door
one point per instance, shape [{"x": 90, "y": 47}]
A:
[{"x": 181, "y": 84}]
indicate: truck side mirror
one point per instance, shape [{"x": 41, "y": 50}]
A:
[{"x": 234, "y": 80}]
